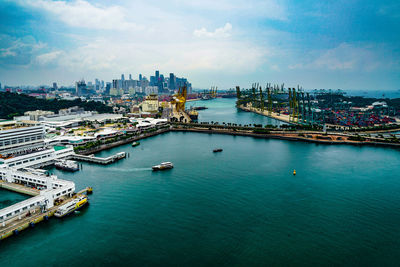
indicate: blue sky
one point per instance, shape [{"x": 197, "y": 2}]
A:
[{"x": 316, "y": 44}]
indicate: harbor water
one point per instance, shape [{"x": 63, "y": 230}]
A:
[
  {"x": 224, "y": 110},
  {"x": 242, "y": 206}
]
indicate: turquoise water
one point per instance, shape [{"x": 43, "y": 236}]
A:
[
  {"x": 224, "y": 110},
  {"x": 8, "y": 198},
  {"x": 239, "y": 207}
]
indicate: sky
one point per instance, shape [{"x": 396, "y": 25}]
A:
[{"x": 342, "y": 44}]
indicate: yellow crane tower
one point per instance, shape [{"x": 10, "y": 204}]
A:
[{"x": 179, "y": 99}]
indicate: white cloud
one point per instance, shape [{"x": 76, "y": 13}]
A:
[
  {"x": 347, "y": 57},
  {"x": 49, "y": 58},
  {"x": 270, "y": 9},
  {"x": 108, "y": 59},
  {"x": 219, "y": 32},
  {"x": 80, "y": 13},
  {"x": 19, "y": 51}
]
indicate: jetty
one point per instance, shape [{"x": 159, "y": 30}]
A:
[
  {"x": 98, "y": 160},
  {"x": 19, "y": 188}
]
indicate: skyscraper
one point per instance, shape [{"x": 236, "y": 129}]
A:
[
  {"x": 140, "y": 77},
  {"x": 115, "y": 84},
  {"x": 80, "y": 88},
  {"x": 122, "y": 77},
  {"x": 130, "y": 76},
  {"x": 108, "y": 87},
  {"x": 55, "y": 86},
  {"x": 172, "y": 81}
]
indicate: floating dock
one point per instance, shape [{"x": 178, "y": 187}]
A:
[{"x": 98, "y": 160}]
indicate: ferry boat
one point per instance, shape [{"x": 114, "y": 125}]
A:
[
  {"x": 163, "y": 166},
  {"x": 71, "y": 206},
  {"x": 67, "y": 165},
  {"x": 135, "y": 144},
  {"x": 217, "y": 150}
]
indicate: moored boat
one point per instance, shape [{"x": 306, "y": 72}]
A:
[
  {"x": 217, "y": 150},
  {"x": 67, "y": 165},
  {"x": 163, "y": 166},
  {"x": 71, "y": 206}
]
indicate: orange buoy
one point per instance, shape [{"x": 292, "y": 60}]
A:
[{"x": 294, "y": 172}]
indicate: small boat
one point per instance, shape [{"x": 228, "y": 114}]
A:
[
  {"x": 294, "y": 172},
  {"x": 163, "y": 166},
  {"x": 135, "y": 144},
  {"x": 200, "y": 108},
  {"x": 67, "y": 165},
  {"x": 71, "y": 206},
  {"x": 217, "y": 150}
]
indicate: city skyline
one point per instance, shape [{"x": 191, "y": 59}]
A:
[{"x": 347, "y": 45}]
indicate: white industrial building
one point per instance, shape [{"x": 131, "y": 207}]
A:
[
  {"x": 40, "y": 157},
  {"x": 21, "y": 139},
  {"x": 52, "y": 189}
]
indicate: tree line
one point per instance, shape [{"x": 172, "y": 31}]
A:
[{"x": 12, "y": 104}]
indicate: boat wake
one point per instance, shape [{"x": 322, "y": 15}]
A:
[{"x": 129, "y": 170}]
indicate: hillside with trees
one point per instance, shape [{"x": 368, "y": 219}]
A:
[{"x": 12, "y": 104}]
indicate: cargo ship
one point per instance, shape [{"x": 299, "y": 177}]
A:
[
  {"x": 71, "y": 206},
  {"x": 163, "y": 166}
]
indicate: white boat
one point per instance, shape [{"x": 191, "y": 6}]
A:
[
  {"x": 71, "y": 206},
  {"x": 68, "y": 165},
  {"x": 163, "y": 166}
]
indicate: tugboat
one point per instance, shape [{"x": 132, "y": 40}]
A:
[
  {"x": 71, "y": 206},
  {"x": 163, "y": 166},
  {"x": 135, "y": 144},
  {"x": 67, "y": 165},
  {"x": 217, "y": 150}
]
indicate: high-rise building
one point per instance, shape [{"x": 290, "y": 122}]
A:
[
  {"x": 152, "y": 80},
  {"x": 55, "y": 86},
  {"x": 172, "y": 81},
  {"x": 122, "y": 77},
  {"x": 157, "y": 75},
  {"x": 140, "y": 77},
  {"x": 96, "y": 84},
  {"x": 108, "y": 87},
  {"x": 80, "y": 88},
  {"x": 115, "y": 84},
  {"x": 130, "y": 76}
]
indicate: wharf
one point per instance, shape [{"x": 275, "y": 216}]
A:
[
  {"x": 19, "y": 224},
  {"x": 19, "y": 188},
  {"x": 98, "y": 160}
]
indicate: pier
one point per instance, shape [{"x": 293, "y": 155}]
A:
[
  {"x": 98, "y": 160},
  {"x": 19, "y": 188},
  {"x": 35, "y": 216}
]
